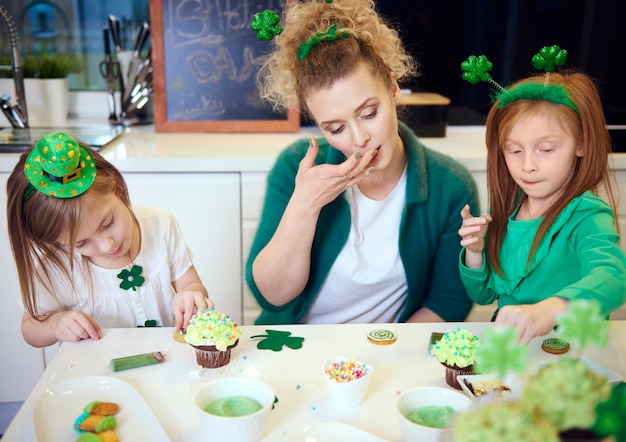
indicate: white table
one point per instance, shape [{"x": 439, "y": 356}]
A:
[{"x": 295, "y": 375}]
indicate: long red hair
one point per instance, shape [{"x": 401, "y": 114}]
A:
[{"x": 587, "y": 126}]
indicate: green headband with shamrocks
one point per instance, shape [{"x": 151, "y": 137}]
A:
[
  {"x": 477, "y": 69},
  {"x": 59, "y": 167},
  {"x": 266, "y": 26}
]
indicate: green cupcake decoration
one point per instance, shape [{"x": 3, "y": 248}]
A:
[{"x": 501, "y": 352}]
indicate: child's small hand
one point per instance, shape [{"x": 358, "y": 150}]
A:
[
  {"x": 532, "y": 320},
  {"x": 186, "y": 304},
  {"x": 472, "y": 232},
  {"x": 73, "y": 325}
]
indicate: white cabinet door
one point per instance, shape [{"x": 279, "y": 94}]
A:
[
  {"x": 207, "y": 207},
  {"x": 22, "y": 364}
]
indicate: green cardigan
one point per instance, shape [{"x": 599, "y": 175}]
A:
[
  {"x": 437, "y": 189},
  {"x": 579, "y": 257}
]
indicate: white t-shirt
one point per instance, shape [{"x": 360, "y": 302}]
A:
[
  {"x": 366, "y": 283},
  {"x": 164, "y": 257}
]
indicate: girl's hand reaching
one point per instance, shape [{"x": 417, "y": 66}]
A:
[
  {"x": 472, "y": 232},
  {"x": 186, "y": 304},
  {"x": 532, "y": 320}
]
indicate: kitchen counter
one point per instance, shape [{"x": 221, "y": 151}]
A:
[{"x": 140, "y": 149}]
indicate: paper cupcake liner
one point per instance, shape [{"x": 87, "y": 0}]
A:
[
  {"x": 208, "y": 356},
  {"x": 452, "y": 371}
]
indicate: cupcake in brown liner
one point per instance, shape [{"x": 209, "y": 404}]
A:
[
  {"x": 456, "y": 351},
  {"x": 212, "y": 334},
  {"x": 208, "y": 356},
  {"x": 453, "y": 371}
]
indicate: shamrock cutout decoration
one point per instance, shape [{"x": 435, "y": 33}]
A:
[
  {"x": 266, "y": 25},
  {"x": 611, "y": 414},
  {"x": 549, "y": 57},
  {"x": 131, "y": 279},
  {"x": 501, "y": 352},
  {"x": 476, "y": 69},
  {"x": 275, "y": 339},
  {"x": 583, "y": 323}
]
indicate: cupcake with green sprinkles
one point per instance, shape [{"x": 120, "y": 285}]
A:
[
  {"x": 213, "y": 335},
  {"x": 456, "y": 351}
]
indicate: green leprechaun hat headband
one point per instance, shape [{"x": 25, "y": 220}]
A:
[
  {"x": 476, "y": 69},
  {"x": 59, "y": 167}
]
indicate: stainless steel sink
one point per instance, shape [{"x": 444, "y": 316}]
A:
[{"x": 17, "y": 140}]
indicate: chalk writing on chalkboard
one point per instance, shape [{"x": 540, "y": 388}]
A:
[{"x": 210, "y": 58}]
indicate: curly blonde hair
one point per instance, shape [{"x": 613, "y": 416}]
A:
[{"x": 284, "y": 81}]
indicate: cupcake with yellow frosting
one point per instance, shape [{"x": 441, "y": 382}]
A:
[
  {"x": 213, "y": 335},
  {"x": 456, "y": 351}
]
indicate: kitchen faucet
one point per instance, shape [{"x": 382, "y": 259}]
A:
[{"x": 15, "y": 113}]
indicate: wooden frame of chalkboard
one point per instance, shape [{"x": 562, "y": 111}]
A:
[{"x": 205, "y": 59}]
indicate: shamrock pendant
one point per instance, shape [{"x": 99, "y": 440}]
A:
[{"x": 131, "y": 279}]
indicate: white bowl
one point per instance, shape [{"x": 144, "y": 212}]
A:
[
  {"x": 247, "y": 428},
  {"x": 420, "y": 397},
  {"x": 510, "y": 380},
  {"x": 347, "y": 394}
]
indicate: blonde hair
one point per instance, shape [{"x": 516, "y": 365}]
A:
[
  {"x": 587, "y": 127},
  {"x": 284, "y": 81},
  {"x": 36, "y": 224}
]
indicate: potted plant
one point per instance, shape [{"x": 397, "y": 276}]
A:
[{"x": 45, "y": 85}]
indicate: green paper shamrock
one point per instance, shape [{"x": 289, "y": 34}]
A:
[
  {"x": 131, "y": 279},
  {"x": 476, "y": 69},
  {"x": 583, "y": 323},
  {"x": 266, "y": 25},
  {"x": 501, "y": 352},
  {"x": 549, "y": 57},
  {"x": 275, "y": 339},
  {"x": 611, "y": 414}
]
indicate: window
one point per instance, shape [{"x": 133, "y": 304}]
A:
[{"x": 73, "y": 27}]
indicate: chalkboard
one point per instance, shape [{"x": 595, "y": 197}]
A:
[{"x": 205, "y": 59}]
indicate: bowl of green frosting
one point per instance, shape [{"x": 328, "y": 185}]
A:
[
  {"x": 235, "y": 408},
  {"x": 426, "y": 413}
]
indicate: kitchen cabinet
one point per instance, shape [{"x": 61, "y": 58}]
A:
[
  {"x": 206, "y": 205},
  {"x": 21, "y": 364}
]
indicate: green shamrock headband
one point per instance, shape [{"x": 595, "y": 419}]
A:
[
  {"x": 58, "y": 167},
  {"x": 266, "y": 26},
  {"x": 476, "y": 69}
]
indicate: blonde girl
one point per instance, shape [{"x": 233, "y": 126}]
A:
[{"x": 85, "y": 259}]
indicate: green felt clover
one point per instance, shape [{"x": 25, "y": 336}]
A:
[
  {"x": 611, "y": 414},
  {"x": 266, "y": 25},
  {"x": 583, "y": 324},
  {"x": 549, "y": 57},
  {"x": 275, "y": 339},
  {"x": 501, "y": 352},
  {"x": 131, "y": 279},
  {"x": 476, "y": 69}
]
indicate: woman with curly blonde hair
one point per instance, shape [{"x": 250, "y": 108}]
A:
[{"x": 358, "y": 225}]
